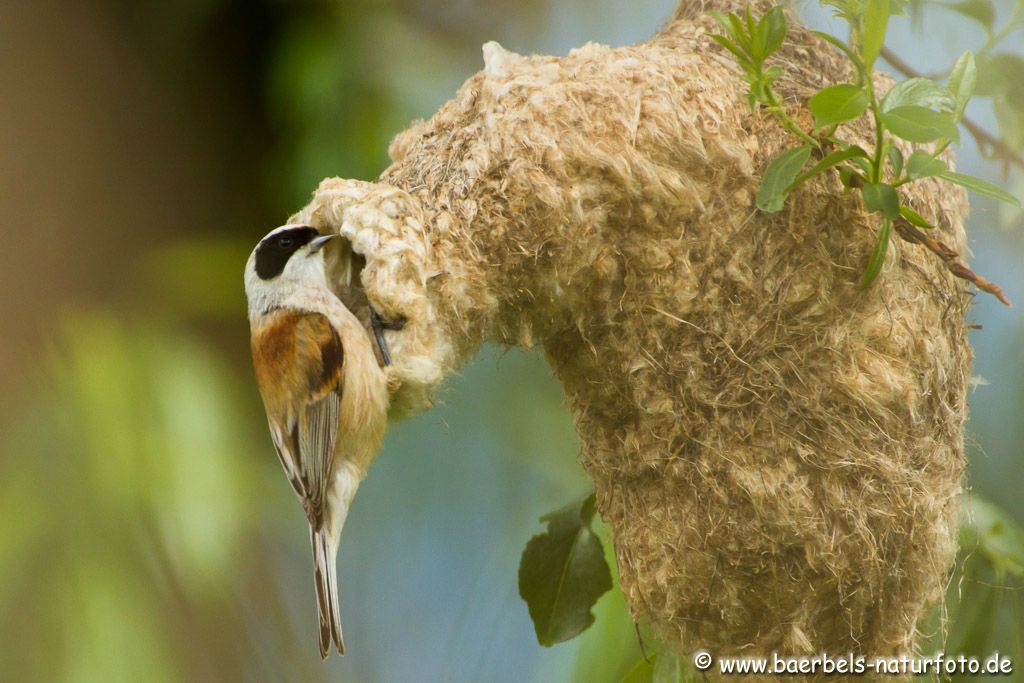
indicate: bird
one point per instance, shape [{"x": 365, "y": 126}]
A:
[{"x": 325, "y": 394}]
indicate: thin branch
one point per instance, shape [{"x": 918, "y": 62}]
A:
[
  {"x": 980, "y": 135},
  {"x": 950, "y": 257}
]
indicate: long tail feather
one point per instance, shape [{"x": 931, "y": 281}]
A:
[{"x": 324, "y": 554}]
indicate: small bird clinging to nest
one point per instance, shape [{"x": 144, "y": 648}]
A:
[{"x": 325, "y": 395}]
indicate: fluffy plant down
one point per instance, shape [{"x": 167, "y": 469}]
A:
[{"x": 779, "y": 454}]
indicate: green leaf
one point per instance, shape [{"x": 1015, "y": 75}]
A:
[
  {"x": 998, "y": 538},
  {"x": 915, "y": 8},
  {"x": 1015, "y": 90},
  {"x": 873, "y": 26},
  {"x": 563, "y": 572},
  {"x": 722, "y": 20},
  {"x": 982, "y": 187},
  {"x": 922, "y": 165},
  {"x": 1013, "y": 217},
  {"x": 918, "y": 124},
  {"x": 863, "y": 164},
  {"x": 740, "y": 33},
  {"x": 828, "y": 162},
  {"x": 773, "y": 25},
  {"x": 749, "y": 18},
  {"x": 735, "y": 31},
  {"x": 771, "y": 74},
  {"x": 962, "y": 81},
  {"x": 847, "y": 9},
  {"x": 849, "y": 178},
  {"x": 997, "y": 72},
  {"x": 877, "y": 258},
  {"x": 982, "y": 11},
  {"x": 1011, "y": 123},
  {"x": 741, "y": 57},
  {"x": 771, "y": 196},
  {"x": 729, "y": 23},
  {"x": 882, "y": 198},
  {"x": 899, "y": 7},
  {"x": 836, "y": 104},
  {"x": 978, "y": 621},
  {"x": 914, "y": 218},
  {"x": 641, "y": 672},
  {"x": 758, "y": 38},
  {"x": 919, "y": 92},
  {"x": 896, "y": 159}
]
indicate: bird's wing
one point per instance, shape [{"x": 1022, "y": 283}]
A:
[
  {"x": 299, "y": 359},
  {"x": 317, "y": 436}
]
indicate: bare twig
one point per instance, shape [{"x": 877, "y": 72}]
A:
[
  {"x": 913, "y": 234},
  {"x": 980, "y": 135}
]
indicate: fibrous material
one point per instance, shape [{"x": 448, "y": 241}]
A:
[{"x": 778, "y": 453}]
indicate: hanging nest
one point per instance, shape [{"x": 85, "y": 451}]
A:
[{"x": 779, "y": 454}]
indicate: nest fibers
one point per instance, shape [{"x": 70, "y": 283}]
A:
[{"x": 778, "y": 454}]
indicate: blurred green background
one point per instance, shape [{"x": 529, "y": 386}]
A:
[{"x": 147, "y": 532}]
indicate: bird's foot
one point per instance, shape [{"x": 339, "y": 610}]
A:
[{"x": 379, "y": 325}]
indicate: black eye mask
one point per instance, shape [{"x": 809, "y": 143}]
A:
[{"x": 273, "y": 252}]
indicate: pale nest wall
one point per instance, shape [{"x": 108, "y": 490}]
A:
[{"x": 779, "y": 455}]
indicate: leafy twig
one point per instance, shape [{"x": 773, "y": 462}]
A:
[
  {"x": 917, "y": 110},
  {"x": 980, "y": 135}
]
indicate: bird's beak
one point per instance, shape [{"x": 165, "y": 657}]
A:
[{"x": 318, "y": 243}]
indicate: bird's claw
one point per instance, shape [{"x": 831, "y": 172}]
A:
[{"x": 379, "y": 325}]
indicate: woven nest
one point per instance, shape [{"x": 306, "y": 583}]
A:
[{"x": 778, "y": 454}]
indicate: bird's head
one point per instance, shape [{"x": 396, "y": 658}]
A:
[{"x": 288, "y": 261}]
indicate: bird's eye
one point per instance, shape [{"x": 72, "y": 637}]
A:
[{"x": 285, "y": 243}]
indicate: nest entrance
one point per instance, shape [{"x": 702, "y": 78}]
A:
[{"x": 344, "y": 267}]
